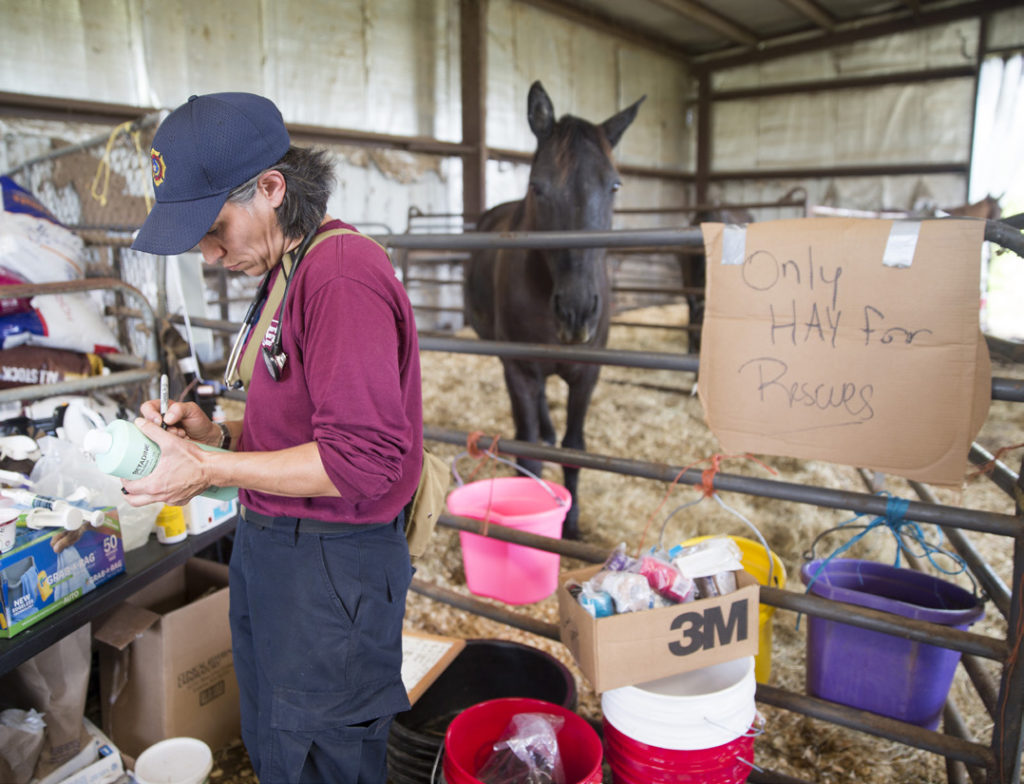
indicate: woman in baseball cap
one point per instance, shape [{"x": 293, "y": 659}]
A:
[{"x": 327, "y": 454}]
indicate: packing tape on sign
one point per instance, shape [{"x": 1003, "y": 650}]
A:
[
  {"x": 734, "y": 243},
  {"x": 899, "y": 250}
]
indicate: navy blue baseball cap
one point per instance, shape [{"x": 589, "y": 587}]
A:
[{"x": 202, "y": 151}]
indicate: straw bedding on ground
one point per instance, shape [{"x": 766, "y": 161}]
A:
[{"x": 652, "y": 416}]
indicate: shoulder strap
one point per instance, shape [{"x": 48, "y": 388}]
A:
[
  {"x": 252, "y": 347},
  {"x": 337, "y": 232},
  {"x": 248, "y": 361}
]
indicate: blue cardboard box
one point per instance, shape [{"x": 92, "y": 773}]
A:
[{"x": 50, "y": 568}]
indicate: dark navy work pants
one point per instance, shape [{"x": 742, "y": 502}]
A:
[{"x": 316, "y": 627}]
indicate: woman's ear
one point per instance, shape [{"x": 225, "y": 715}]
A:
[{"x": 272, "y": 186}]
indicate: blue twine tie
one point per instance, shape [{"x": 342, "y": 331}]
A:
[{"x": 904, "y": 531}]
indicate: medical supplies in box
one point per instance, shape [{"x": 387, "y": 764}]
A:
[
  {"x": 627, "y": 648},
  {"x": 166, "y": 668},
  {"x": 202, "y": 513},
  {"x": 49, "y": 568}
]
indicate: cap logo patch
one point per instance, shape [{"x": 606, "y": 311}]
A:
[{"x": 159, "y": 170}]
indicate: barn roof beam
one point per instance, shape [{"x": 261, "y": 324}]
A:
[
  {"x": 890, "y": 23},
  {"x": 813, "y": 12},
  {"x": 520, "y": 156},
  {"x": 824, "y": 172},
  {"x": 42, "y": 107},
  {"x": 709, "y": 19},
  {"x": 595, "y": 20},
  {"x": 65, "y": 110},
  {"x": 849, "y": 83}
]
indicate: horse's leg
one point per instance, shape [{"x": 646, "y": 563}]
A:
[
  {"x": 525, "y": 385},
  {"x": 547, "y": 430},
  {"x": 581, "y": 387},
  {"x": 694, "y": 276},
  {"x": 695, "y": 302}
]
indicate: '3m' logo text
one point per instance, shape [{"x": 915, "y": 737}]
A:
[{"x": 701, "y": 630}]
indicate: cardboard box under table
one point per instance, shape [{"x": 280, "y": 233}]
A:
[
  {"x": 631, "y": 648},
  {"x": 49, "y": 568},
  {"x": 166, "y": 668}
]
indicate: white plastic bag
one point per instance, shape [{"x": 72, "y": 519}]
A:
[
  {"x": 65, "y": 471},
  {"x": 72, "y": 321},
  {"x": 526, "y": 753},
  {"x": 21, "y": 741}
]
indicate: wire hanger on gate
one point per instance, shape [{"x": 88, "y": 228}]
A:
[
  {"x": 708, "y": 491},
  {"x": 906, "y": 533}
]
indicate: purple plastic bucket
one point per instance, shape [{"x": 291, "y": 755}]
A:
[{"x": 878, "y": 672}]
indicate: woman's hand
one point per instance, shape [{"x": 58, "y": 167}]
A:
[
  {"x": 181, "y": 473},
  {"x": 186, "y": 420}
]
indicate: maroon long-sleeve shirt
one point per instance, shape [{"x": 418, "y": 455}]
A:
[{"x": 351, "y": 384}]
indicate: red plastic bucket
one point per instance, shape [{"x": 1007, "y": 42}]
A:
[
  {"x": 633, "y": 762},
  {"x": 472, "y": 734},
  {"x": 512, "y": 573}
]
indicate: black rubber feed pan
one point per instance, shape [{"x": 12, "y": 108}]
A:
[{"x": 483, "y": 670}]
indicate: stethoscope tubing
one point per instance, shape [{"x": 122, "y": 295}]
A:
[{"x": 252, "y": 315}]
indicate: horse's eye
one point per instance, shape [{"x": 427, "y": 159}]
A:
[
  {"x": 616, "y": 186},
  {"x": 537, "y": 189}
]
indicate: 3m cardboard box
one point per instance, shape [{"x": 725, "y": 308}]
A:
[
  {"x": 166, "y": 668},
  {"x": 49, "y": 568},
  {"x": 631, "y": 648}
]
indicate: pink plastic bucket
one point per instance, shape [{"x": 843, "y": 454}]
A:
[
  {"x": 512, "y": 573},
  {"x": 471, "y": 736},
  {"x": 633, "y": 762}
]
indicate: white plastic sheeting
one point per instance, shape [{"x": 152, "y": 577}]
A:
[
  {"x": 927, "y": 122},
  {"x": 999, "y": 134}
]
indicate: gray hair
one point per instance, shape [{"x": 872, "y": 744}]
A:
[{"x": 309, "y": 179}]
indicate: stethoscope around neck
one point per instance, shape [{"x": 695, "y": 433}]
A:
[{"x": 273, "y": 355}]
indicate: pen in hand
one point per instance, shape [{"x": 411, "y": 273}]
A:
[{"x": 164, "y": 395}]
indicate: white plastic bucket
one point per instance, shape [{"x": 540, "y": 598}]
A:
[
  {"x": 694, "y": 710},
  {"x": 175, "y": 761}
]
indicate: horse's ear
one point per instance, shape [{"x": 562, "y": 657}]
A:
[
  {"x": 615, "y": 126},
  {"x": 540, "y": 112}
]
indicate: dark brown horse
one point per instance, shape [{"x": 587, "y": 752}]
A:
[{"x": 551, "y": 296}]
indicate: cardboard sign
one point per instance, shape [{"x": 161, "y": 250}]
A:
[{"x": 849, "y": 340}]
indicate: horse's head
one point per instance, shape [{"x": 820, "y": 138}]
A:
[{"x": 572, "y": 187}]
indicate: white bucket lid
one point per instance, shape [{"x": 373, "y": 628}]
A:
[
  {"x": 700, "y": 709},
  {"x": 174, "y": 761}
]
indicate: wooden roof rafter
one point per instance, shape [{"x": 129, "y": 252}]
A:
[{"x": 703, "y": 16}]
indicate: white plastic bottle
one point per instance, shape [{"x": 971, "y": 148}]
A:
[{"x": 121, "y": 449}]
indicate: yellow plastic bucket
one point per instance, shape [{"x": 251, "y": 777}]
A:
[{"x": 755, "y": 561}]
